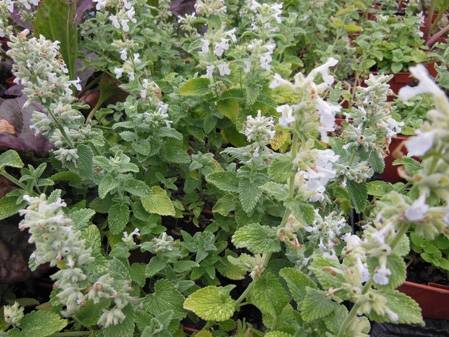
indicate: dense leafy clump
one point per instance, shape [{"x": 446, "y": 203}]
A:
[{"x": 210, "y": 167}]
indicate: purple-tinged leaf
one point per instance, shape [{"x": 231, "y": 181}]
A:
[{"x": 15, "y": 131}]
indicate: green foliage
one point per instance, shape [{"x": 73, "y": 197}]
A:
[
  {"x": 40, "y": 324},
  {"x": 257, "y": 238},
  {"x": 211, "y": 303},
  {"x": 158, "y": 202}
]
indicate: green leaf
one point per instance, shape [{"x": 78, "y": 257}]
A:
[
  {"x": 55, "y": 19},
  {"x": 322, "y": 269},
  {"x": 378, "y": 188},
  {"x": 230, "y": 108},
  {"x": 41, "y": 324},
  {"x": 249, "y": 194},
  {"x": 275, "y": 190},
  {"x": 225, "y": 181},
  {"x": 85, "y": 161},
  {"x": 9, "y": 206},
  {"x": 81, "y": 217},
  {"x": 224, "y": 205},
  {"x": 280, "y": 169},
  {"x": 156, "y": 264},
  {"x": 107, "y": 184},
  {"x": 118, "y": 217},
  {"x": 359, "y": 195},
  {"x": 136, "y": 187},
  {"x": 158, "y": 202},
  {"x": 376, "y": 162},
  {"x": 269, "y": 296},
  {"x": 257, "y": 239},
  {"x": 397, "y": 267},
  {"x": 173, "y": 151},
  {"x": 211, "y": 303},
  {"x": 297, "y": 282},
  {"x": 195, "y": 87},
  {"x": 165, "y": 297},
  {"x": 303, "y": 212},
  {"x": 405, "y": 307},
  {"x": 277, "y": 334},
  {"x": 316, "y": 305},
  {"x": 124, "y": 329},
  {"x": 137, "y": 272},
  {"x": 10, "y": 158}
]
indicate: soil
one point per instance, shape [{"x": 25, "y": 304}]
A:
[{"x": 420, "y": 271}]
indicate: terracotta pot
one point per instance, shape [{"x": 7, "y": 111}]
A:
[
  {"x": 395, "y": 150},
  {"x": 404, "y": 78},
  {"x": 432, "y": 298}
]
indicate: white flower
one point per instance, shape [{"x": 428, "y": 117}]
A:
[
  {"x": 118, "y": 71},
  {"x": 327, "y": 113},
  {"x": 210, "y": 71},
  {"x": 221, "y": 47},
  {"x": 13, "y": 314},
  {"x": 287, "y": 117},
  {"x": 111, "y": 317},
  {"x": 223, "y": 69},
  {"x": 205, "y": 46},
  {"x": 392, "y": 315},
  {"x": 417, "y": 211},
  {"x": 426, "y": 85},
  {"x": 278, "y": 81},
  {"x": 323, "y": 70},
  {"x": 381, "y": 276},
  {"x": 128, "y": 239},
  {"x": 259, "y": 130},
  {"x": 421, "y": 143}
]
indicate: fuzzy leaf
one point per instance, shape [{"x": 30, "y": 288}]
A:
[
  {"x": 224, "y": 205},
  {"x": 124, "y": 329},
  {"x": 40, "y": 324},
  {"x": 9, "y": 206},
  {"x": 269, "y": 296},
  {"x": 316, "y": 305},
  {"x": 275, "y": 190},
  {"x": 211, "y": 303},
  {"x": 85, "y": 161},
  {"x": 136, "y": 187},
  {"x": 257, "y": 239},
  {"x": 165, "y": 297},
  {"x": 359, "y": 195},
  {"x": 10, "y": 158},
  {"x": 249, "y": 194},
  {"x": 195, "y": 87},
  {"x": 277, "y": 334},
  {"x": 118, "y": 217},
  {"x": 297, "y": 282},
  {"x": 225, "y": 181},
  {"x": 81, "y": 217},
  {"x": 107, "y": 184},
  {"x": 405, "y": 307},
  {"x": 280, "y": 169},
  {"x": 158, "y": 202}
]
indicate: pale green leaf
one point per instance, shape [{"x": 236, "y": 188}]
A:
[
  {"x": 249, "y": 194},
  {"x": 316, "y": 305},
  {"x": 107, "y": 184},
  {"x": 195, "y": 87},
  {"x": 297, "y": 282},
  {"x": 158, "y": 202},
  {"x": 211, "y": 303},
  {"x": 165, "y": 297},
  {"x": 81, "y": 217},
  {"x": 359, "y": 195},
  {"x": 9, "y": 206},
  {"x": 41, "y": 324},
  {"x": 136, "y": 187},
  {"x": 257, "y": 239},
  {"x": 278, "y": 334},
  {"x": 10, "y": 158},
  {"x": 118, "y": 217},
  {"x": 225, "y": 181}
]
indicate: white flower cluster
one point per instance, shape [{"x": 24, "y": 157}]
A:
[
  {"x": 124, "y": 12},
  {"x": 39, "y": 68},
  {"x": 213, "y": 46},
  {"x": 370, "y": 119},
  {"x": 13, "y": 314},
  {"x": 60, "y": 244},
  {"x": 210, "y": 7},
  {"x": 310, "y": 91},
  {"x": 266, "y": 17},
  {"x": 312, "y": 181},
  {"x": 327, "y": 231},
  {"x": 259, "y": 130}
]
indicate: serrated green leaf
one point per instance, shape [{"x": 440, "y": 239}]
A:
[
  {"x": 118, "y": 217},
  {"x": 378, "y": 188},
  {"x": 156, "y": 264},
  {"x": 269, "y": 296},
  {"x": 225, "y": 181},
  {"x": 275, "y": 190},
  {"x": 211, "y": 303},
  {"x": 41, "y": 324},
  {"x": 302, "y": 211},
  {"x": 280, "y": 169},
  {"x": 81, "y": 217},
  {"x": 136, "y": 187},
  {"x": 229, "y": 107},
  {"x": 249, "y": 194},
  {"x": 334, "y": 320},
  {"x": 316, "y": 305},
  {"x": 403, "y": 246},
  {"x": 85, "y": 163},
  {"x": 174, "y": 151},
  {"x": 10, "y": 158},
  {"x": 137, "y": 273},
  {"x": 297, "y": 282},
  {"x": 224, "y": 205},
  {"x": 106, "y": 185},
  {"x": 322, "y": 269},
  {"x": 195, "y": 87},
  {"x": 257, "y": 239},
  {"x": 158, "y": 202},
  {"x": 359, "y": 195},
  {"x": 165, "y": 297},
  {"x": 407, "y": 310}
]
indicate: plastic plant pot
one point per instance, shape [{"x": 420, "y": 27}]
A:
[
  {"x": 396, "y": 149},
  {"x": 432, "y": 298},
  {"x": 404, "y": 78}
]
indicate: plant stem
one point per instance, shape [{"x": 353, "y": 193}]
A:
[
  {"x": 434, "y": 38},
  {"x": 71, "y": 334},
  {"x": 12, "y": 179},
  {"x": 61, "y": 128},
  {"x": 353, "y": 312}
]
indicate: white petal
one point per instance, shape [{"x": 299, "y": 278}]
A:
[{"x": 421, "y": 143}]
